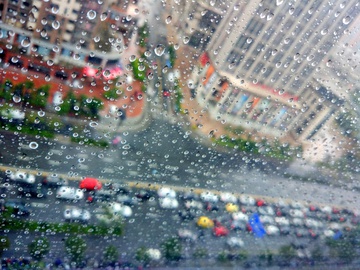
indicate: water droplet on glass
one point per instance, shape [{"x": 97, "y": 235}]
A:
[
  {"x": 93, "y": 124},
  {"x": 310, "y": 57},
  {"x": 55, "y": 24},
  {"x": 25, "y": 42},
  {"x": 41, "y": 113},
  {"x": 329, "y": 63},
  {"x": 249, "y": 40},
  {"x": 186, "y": 40},
  {"x": 279, "y": 2},
  {"x": 47, "y": 77},
  {"x": 291, "y": 11},
  {"x": 91, "y": 14},
  {"x": 270, "y": 16},
  {"x": 346, "y": 20},
  {"x": 176, "y": 46},
  {"x": 168, "y": 20},
  {"x": 147, "y": 53},
  {"x": 296, "y": 56},
  {"x": 236, "y": 7},
  {"x": 33, "y": 145},
  {"x": 50, "y": 62},
  {"x": 132, "y": 58},
  {"x": 43, "y": 21},
  {"x": 43, "y": 33},
  {"x": 103, "y": 16},
  {"x": 324, "y": 32},
  {"x": 212, "y": 3},
  {"x": 16, "y": 99},
  {"x": 159, "y": 50}
]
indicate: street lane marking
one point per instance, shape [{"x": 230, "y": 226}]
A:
[
  {"x": 39, "y": 205},
  {"x": 83, "y": 166},
  {"x": 54, "y": 162},
  {"x": 108, "y": 159},
  {"x": 82, "y": 155},
  {"x": 108, "y": 170},
  {"x": 172, "y": 168},
  {"x": 133, "y": 173},
  {"x": 57, "y": 152},
  {"x": 24, "y": 158}
]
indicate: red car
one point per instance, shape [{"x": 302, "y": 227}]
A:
[{"x": 220, "y": 231}]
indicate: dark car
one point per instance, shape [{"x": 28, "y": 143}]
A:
[
  {"x": 17, "y": 208},
  {"x": 33, "y": 191},
  {"x": 55, "y": 180},
  {"x": 144, "y": 195},
  {"x": 186, "y": 214},
  {"x": 102, "y": 195}
]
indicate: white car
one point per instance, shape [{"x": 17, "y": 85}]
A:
[
  {"x": 235, "y": 242},
  {"x": 272, "y": 230},
  {"x": 187, "y": 235},
  {"x": 69, "y": 193},
  {"x": 298, "y": 222},
  {"x": 75, "y": 213},
  {"x": 209, "y": 197},
  {"x": 120, "y": 209},
  {"x": 247, "y": 200},
  {"x": 21, "y": 176},
  {"x": 227, "y": 197},
  {"x": 240, "y": 216},
  {"x": 168, "y": 203},
  {"x": 267, "y": 210},
  {"x": 194, "y": 204},
  {"x": 166, "y": 192},
  {"x": 296, "y": 213},
  {"x": 267, "y": 220},
  {"x": 282, "y": 221}
]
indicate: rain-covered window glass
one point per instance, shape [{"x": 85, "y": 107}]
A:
[{"x": 140, "y": 134}]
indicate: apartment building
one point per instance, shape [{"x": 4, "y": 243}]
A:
[{"x": 262, "y": 58}]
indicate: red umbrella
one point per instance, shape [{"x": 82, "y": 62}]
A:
[{"x": 90, "y": 184}]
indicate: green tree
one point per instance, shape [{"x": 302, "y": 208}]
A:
[
  {"x": 4, "y": 244},
  {"x": 317, "y": 253},
  {"x": 287, "y": 252},
  {"x": 68, "y": 104},
  {"x": 94, "y": 106},
  {"x": 142, "y": 256},
  {"x": 75, "y": 248},
  {"x": 143, "y": 34},
  {"x": 139, "y": 70},
  {"x": 40, "y": 96},
  {"x": 111, "y": 254},
  {"x": 172, "y": 249},
  {"x": 344, "y": 249},
  {"x": 38, "y": 248},
  {"x": 200, "y": 253},
  {"x": 172, "y": 55},
  {"x": 104, "y": 35}
]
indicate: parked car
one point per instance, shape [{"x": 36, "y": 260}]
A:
[
  {"x": 17, "y": 208},
  {"x": 69, "y": 193},
  {"x": 22, "y": 177},
  {"x": 127, "y": 200},
  {"x": 238, "y": 225},
  {"x": 234, "y": 242},
  {"x": 33, "y": 191},
  {"x": 76, "y": 214},
  {"x": 186, "y": 214},
  {"x": 247, "y": 200},
  {"x": 209, "y": 197},
  {"x": 272, "y": 230},
  {"x": 168, "y": 203},
  {"x": 54, "y": 180},
  {"x": 187, "y": 235}
]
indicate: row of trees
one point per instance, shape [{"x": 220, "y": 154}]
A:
[
  {"x": 75, "y": 248},
  {"x": 80, "y": 106},
  {"x": 25, "y": 93},
  {"x": 28, "y": 96}
]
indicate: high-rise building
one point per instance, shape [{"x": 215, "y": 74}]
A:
[{"x": 261, "y": 59}]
